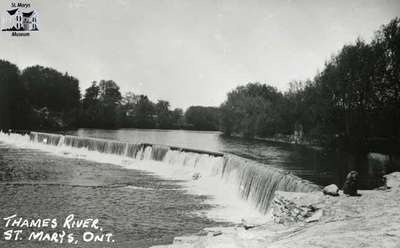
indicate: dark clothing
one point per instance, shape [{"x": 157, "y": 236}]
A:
[{"x": 350, "y": 188}]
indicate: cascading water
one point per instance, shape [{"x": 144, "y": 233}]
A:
[
  {"x": 255, "y": 182},
  {"x": 92, "y": 144},
  {"x": 258, "y": 183}
]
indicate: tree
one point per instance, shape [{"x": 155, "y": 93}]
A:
[
  {"x": 91, "y": 106},
  {"x": 252, "y": 110},
  {"x": 91, "y": 95},
  {"x": 14, "y": 107},
  {"x": 110, "y": 98},
  {"x": 202, "y": 118},
  {"x": 50, "y": 88},
  {"x": 177, "y": 118},
  {"x": 387, "y": 76},
  {"x": 109, "y": 93},
  {"x": 144, "y": 113},
  {"x": 101, "y": 105},
  {"x": 163, "y": 114},
  {"x": 57, "y": 92}
]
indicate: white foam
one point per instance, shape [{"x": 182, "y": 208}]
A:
[
  {"x": 138, "y": 188},
  {"x": 223, "y": 194}
]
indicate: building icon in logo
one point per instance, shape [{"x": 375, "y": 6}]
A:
[{"x": 17, "y": 20}]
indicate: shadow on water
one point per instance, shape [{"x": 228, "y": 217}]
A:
[{"x": 318, "y": 165}]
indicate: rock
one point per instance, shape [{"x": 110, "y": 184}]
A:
[
  {"x": 332, "y": 190},
  {"x": 316, "y": 216},
  {"x": 393, "y": 180},
  {"x": 292, "y": 207},
  {"x": 217, "y": 233},
  {"x": 246, "y": 225}
]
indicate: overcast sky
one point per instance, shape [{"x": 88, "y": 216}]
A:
[{"x": 192, "y": 52}]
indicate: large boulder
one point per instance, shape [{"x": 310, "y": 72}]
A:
[
  {"x": 393, "y": 180},
  {"x": 331, "y": 189}
]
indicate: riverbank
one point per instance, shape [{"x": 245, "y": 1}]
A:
[
  {"x": 371, "y": 220},
  {"x": 284, "y": 139}
]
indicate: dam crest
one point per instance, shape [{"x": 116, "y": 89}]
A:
[{"x": 255, "y": 182}]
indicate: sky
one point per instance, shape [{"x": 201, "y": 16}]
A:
[{"x": 192, "y": 52}]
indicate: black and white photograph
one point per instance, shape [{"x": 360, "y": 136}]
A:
[{"x": 199, "y": 124}]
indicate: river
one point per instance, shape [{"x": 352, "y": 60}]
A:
[
  {"x": 317, "y": 165},
  {"x": 153, "y": 197}
]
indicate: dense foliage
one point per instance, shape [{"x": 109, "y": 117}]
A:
[
  {"x": 14, "y": 107},
  {"x": 54, "y": 98},
  {"x": 42, "y": 98},
  {"x": 37, "y": 98},
  {"x": 355, "y": 100},
  {"x": 202, "y": 118},
  {"x": 252, "y": 110}
]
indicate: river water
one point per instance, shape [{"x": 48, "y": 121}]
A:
[
  {"x": 138, "y": 208},
  {"x": 317, "y": 165},
  {"x": 145, "y": 202}
]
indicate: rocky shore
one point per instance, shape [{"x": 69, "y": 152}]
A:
[{"x": 315, "y": 220}]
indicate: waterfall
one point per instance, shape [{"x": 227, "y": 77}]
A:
[
  {"x": 255, "y": 182},
  {"x": 258, "y": 183},
  {"x": 45, "y": 138},
  {"x": 94, "y": 144}
]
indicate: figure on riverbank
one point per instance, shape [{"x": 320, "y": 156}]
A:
[{"x": 350, "y": 185}]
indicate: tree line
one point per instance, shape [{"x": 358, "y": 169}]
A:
[
  {"x": 353, "y": 102},
  {"x": 103, "y": 106},
  {"x": 41, "y": 98}
]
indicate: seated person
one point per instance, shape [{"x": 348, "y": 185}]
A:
[{"x": 350, "y": 185}]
